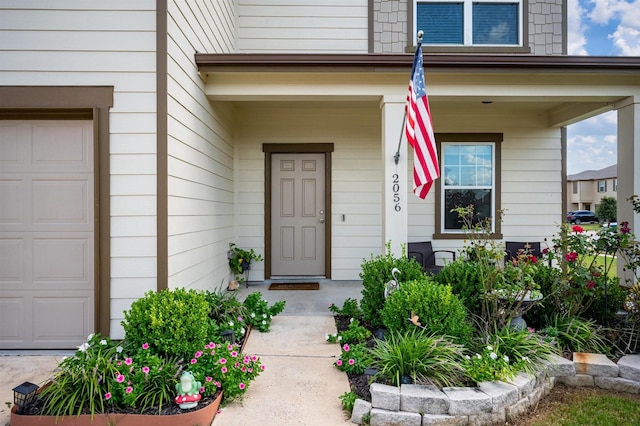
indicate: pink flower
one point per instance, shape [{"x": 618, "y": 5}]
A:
[
  {"x": 198, "y": 354},
  {"x": 208, "y": 378},
  {"x": 129, "y": 389},
  {"x": 239, "y": 319},
  {"x": 624, "y": 228},
  {"x": 234, "y": 354},
  {"x": 243, "y": 369},
  {"x": 351, "y": 361},
  {"x": 254, "y": 358},
  {"x": 229, "y": 347},
  {"x": 119, "y": 363},
  {"x": 246, "y": 360},
  {"x": 250, "y": 370},
  {"x": 217, "y": 384},
  {"x": 128, "y": 361},
  {"x": 577, "y": 228},
  {"x": 107, "y": 396},
  {"x": 119, "y": 378},
  {"x": 339, "y": 363},
  {"x": 202, "y": 389},
  {"x": 193, "y": 361},
  {"x": 236, "y": 365},
  {"x": 223, "y": 360},
  {"x": 145, "y": 346},
  {"x": 571, "y": 257},
  {"x": 241, "y": 386},
  {"x": 223, "y": 369},
  {"x": 346, "y": 347},
  {"x": 531, "y": 330},
  {"x": 262, "y": 367},
  {"x": 145, "y": 370}
]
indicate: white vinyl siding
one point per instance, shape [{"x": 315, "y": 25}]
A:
[
  {"x": 310, "y": 26},
  {"x": 200, "y": 148},
  {"x": 109, "y": 44},
  {"x": 356, "y": 178}
]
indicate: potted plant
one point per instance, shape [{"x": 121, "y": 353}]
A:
[{"x": 240, "y": 262}]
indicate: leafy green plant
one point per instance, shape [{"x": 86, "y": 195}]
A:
[
  {"x": 422, "y": 357},
  {"x": 222, "y": 365},
  {"x": 355, "y": 333},
  {"x": 227, "y": 313},
  {"x": 348, "y": 400},
  {"x": 171, "y": 322},
  {"x": 465, "y": 278},
  {"x": 349, "y": 309},
  {"x": 353, "y": 359},
  {"x": 575, "y": 334},
  {"x": 376, "y": 272},
  {"x": 259, "y": 313},
  {"x": 103, "y": 374},
  {"x": 240, "y": 260},
  {"x": 439, "y": 311}
]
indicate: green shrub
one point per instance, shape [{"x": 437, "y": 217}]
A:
[
  {"x": 438, "y": 310},
  {"x": 465, "y": 278},
  {"x": 259, "y": 313},
  {"x": 349, "y": 309},
  {"x": 604, "y": 307},
  {"x": 422, "y": 357},
  {"x": 353, "y": 359},
  {"x": 376, "y": 272},
  {"x": 348, "y": 400},
  {"x": 172, "y": 322},
  {"x": 355, "y": 333},
  {"x": 226, "y": 313}
]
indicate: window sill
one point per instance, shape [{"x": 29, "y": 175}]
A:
[{"x": 472, "y": 49}]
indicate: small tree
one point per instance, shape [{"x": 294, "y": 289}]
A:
[{"x": 607, "y": 210}]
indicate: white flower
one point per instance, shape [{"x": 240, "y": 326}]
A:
[
  {"x": 490, "y": 348},
  {"x": 83, "y": 347},
  {"x": 103, "y": 342},
  {"x": 478, "y": 356},
  {"x": 230, "y": 323},
  {"x": 326, "y": 336},
  {"x": 242, "y": 330},
  {"x": 467, "y": 357},
  {"x": 526, "y": 359},
  {"x": 351, "y": 320},
  {"x": 119, "y": 349},
  {"x": 89, "y": 337},
  {"x": 253, "y": 314},
  {"x": 264, "y": 315},
  {"x": 339, "y": 338},
  {"x": 264, "y": 322},
  {"x": 506, "y": 358},
  {"x": 493, "y": 355}
]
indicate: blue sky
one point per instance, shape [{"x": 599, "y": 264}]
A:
[{"x": 599, "y": 28}]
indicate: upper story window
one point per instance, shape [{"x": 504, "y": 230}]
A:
[
  {"x": 469, "y": 22},
  {"x": 602, "y": 185}
]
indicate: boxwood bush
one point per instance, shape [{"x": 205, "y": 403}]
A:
[
  {"x": 172, "y": 322},
  {"x": 438, "y": 310},
  {"x": 376, "y": 273}
]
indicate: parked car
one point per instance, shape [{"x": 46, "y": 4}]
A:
[{"x": 581, "y": 216}]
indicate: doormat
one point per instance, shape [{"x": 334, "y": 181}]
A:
[{"x": 294, "y": 286}]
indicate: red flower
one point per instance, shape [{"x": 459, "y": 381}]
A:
[
  {"x": 590, "y": 285},
  {"x": 545, "y": 250},
  {"x": 577, "y": 228},
  {"x": 571, "y": 257},
  {"x": 532, "y": 259}
]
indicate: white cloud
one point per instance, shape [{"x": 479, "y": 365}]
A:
[
  {"x": 626, "y": 37},
  {"x": 576, "y": 29},
  {"x": 592, "y": 143}
]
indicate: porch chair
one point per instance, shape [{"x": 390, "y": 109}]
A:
[
  {"x": 514, "y": 248},
  {"x": 425, "y": 255}
]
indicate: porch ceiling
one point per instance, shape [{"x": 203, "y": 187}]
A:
[{"x": 566, "y": 89}]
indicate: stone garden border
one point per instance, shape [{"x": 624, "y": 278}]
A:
[{"x": 493, "y": 402}]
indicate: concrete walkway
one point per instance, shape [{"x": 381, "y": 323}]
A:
[{"x": 300, "y": 386}]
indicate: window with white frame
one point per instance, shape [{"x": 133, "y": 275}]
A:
[
  {"x": 468, "y": 178},
  {"x": 602, "y": 185},
  {"x": 469, "y": 22}
]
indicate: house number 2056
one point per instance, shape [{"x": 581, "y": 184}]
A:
[{"x": 396, "y": 192}]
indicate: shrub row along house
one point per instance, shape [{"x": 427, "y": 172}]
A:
[{"x": 139, "y": 139}]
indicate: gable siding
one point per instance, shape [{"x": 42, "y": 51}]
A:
[
  {"x": 112, "y": 44},
  {"x": 300, "y": 26},
  {"x": 200, "y": 148}
]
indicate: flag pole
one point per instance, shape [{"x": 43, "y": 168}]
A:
[{"x": 396, "y": 157}]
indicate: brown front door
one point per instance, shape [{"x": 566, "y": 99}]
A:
[{"x": 298, "y": 214}]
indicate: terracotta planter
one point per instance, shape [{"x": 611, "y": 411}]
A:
[{"x": 200, "y": 417}]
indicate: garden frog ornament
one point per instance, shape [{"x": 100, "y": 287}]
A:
[{"x": 188, "y": 391}]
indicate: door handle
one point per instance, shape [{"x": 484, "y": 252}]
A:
[{"x": 322, "y": 220}]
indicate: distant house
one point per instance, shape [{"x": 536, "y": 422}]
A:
[
  {"x": 586, "y": 189},
  {"x": 139, "y": 138}
]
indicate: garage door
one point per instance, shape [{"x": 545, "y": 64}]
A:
[{"x": 46, "y": 234}]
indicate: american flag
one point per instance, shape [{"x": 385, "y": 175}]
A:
[{"x": 419, "y": 130}]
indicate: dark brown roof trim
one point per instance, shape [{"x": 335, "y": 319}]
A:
[{"x": 215, "y": 61}]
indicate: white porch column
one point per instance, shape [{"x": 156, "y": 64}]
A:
[
  {"x": 394, "y": 193},
  {"x": 628, "y": 159}
]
